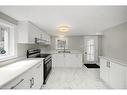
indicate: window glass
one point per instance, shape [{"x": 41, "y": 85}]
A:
[
  {"x": 90, "y": 50},
  {"x": 4, "y": 34}
]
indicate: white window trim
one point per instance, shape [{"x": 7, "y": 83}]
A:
[{"x": 13, "y": 36}]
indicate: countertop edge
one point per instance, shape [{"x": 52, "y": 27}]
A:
[
  {"x": 40, "y": 59},
  {"x": 123, "y": 63}
]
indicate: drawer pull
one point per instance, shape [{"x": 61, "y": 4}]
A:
[
  {"x": 31, "y": 82},
  {"x": 17, "y": 84}
]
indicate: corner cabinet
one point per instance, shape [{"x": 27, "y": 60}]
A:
[
  {"x": 31, "y": 79},
  {"x": 27, "y": 32},
  {"x": 113, "y": 74}
]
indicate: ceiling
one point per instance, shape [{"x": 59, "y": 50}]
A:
[{"x": 84, "y": 20}]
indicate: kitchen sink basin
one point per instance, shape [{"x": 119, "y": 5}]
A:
[{"x": 64, "y": 52}]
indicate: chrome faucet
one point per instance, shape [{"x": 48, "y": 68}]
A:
[{"x": 64, "y": 46}]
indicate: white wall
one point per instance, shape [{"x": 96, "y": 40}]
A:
[{"x": 115, "y": 42}]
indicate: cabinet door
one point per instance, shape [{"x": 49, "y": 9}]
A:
[
  {"x": 104, "y": 70},
  {"x": 54, "y": 60},
  {"x": 68, "y": 60},
  {"x": 20, "y": 82},
  {"x": 36, "y": 77},
  {"x": 33, "y": 32},
  {"x": 125, "y": 80},
  {"x": 60, "y": 60},
  {"x": 78, "y": 60},
  {"x": 116, "y": 75}
]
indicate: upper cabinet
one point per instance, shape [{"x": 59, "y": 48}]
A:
[{"x": 27, "y": 32}]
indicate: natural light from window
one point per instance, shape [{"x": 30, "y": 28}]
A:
[
  {"x": 4, "y": 40},
  {"x": 7, "y": 40}
]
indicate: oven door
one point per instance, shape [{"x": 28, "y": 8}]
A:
[{"x": 47, "y": 68}]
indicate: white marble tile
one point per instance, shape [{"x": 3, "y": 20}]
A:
[{"x": 74, "y": 78}]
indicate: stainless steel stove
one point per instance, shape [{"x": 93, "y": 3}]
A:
[{"x": 36, "y": 53}]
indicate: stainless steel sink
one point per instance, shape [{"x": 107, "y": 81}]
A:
[{"x": 64, "y": 51}]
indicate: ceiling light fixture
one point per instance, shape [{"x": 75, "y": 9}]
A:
[{"x": 63, "y": 28}]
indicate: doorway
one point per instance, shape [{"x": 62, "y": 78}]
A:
[{"x": 90, "y": 49}]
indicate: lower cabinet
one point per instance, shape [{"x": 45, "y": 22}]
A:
[
  {"x": 58, "y": 60},
  {"x": 126, "y": 78},
  {"x": 67, "y": 60},
  {"x": 31, "y": 79},
  {"x": 112, "y": 73},
  {"x": 104, "y": 70},
  {"x": 36, "y": 78},
  {"x": 116, "y": 75},
  {"x": 18, "y": 83}
]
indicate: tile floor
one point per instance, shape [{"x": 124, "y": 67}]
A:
[{"x": 74, "y": 78}]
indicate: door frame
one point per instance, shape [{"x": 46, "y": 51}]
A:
[{"x": 96, "y": 49}]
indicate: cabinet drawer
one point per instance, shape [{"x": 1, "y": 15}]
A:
[{"x": 18, "y": 83}]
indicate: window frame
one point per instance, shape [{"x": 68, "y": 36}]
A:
[{"x": 12, "y": 46}]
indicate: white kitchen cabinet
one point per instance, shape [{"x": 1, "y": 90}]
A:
[
  {"x": 21, "y": 82},
  {"x": 104, "y": 70},
  {"x": 27, "y": 32},
  {"x": 112, "y": 73},
  {"x": 78, "y": 60},
  {"x": 73, "y": 60},
  {"x": 46, "y": 38},
  {"x": 31, "y": 79},
  {"x": 116, "y": 75},
  {"x": 125, "y": 79},
  {"x": 36, "y": 76},
  {"x": 58, "y": 60},
  {"x": 67, "y": 60}
]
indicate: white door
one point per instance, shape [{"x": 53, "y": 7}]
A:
[{"x": 90, "y": 49}]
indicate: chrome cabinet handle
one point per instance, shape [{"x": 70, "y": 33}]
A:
[
  {"x": 17, "y": 84},
  {"x": 31, "y": 83},
  {"x": 109, "y": 64}
]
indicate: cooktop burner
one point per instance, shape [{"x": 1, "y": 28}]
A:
[
  {"x": 42, "y": 55},
  {"x": 36, "y": 53}
]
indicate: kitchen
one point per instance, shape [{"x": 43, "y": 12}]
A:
[{"x": 63, "y": 47}]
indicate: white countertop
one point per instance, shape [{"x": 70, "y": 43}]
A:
[
  {"x": 56, "y": 52},
  {"x": 124, "y": 63},
  {"x": 10, "y": 72}
]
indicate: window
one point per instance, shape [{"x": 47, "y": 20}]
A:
[
  {"x": 7, "y": 40},
  {"x": 4, "y": 34},
  {"x": 61, "y": 43}
]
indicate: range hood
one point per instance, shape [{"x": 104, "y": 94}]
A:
[{"x": 41, "y": 41}]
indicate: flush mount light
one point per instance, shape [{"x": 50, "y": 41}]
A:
[{"x": 63, "y": 28}]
